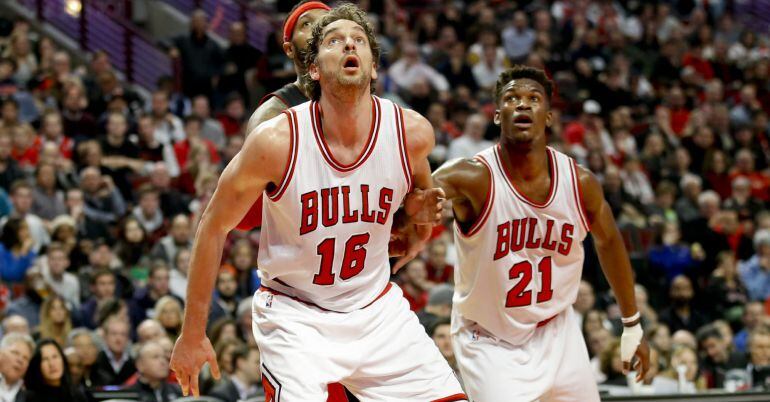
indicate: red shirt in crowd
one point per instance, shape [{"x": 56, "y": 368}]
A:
[{"x": 760, "y": 184}]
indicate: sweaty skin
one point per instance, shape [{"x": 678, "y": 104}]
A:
[
  {"x": 261, "y": 161},
  {"x": 523, "y": 152}
]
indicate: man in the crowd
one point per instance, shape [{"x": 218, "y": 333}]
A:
[
  {"x": 30, "y": 303},
  {"x": 179, "y": 236},
  {"x": 15, "y": 353},
  {"x": 86, "y": 345},
  {"x": 102, "y": 285},
  {"x": 65, "y": 284},
  {"x": 681, "y": 314},
  {"x": 752, "y": 314},
  {"x": 142, "y": 304},
  {"x": 15, "y": 324},
  {"x": 440, "y": 333},
  {"x": 244, "y": 382},
  {"x": 759, "y": 352},
  {"x": 21, "y": 199},
  {"x": 717, "y": 358},
  {"x": 439, "y": 306},
  {"x": 200, "y": 56},
  {"x": 103, "y": 201},
  {"x": 114, "y": 364},
  {"x": 152, "y": 366},
  {"x": 149, "y": 330}
]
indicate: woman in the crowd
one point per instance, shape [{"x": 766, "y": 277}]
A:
[
  {"x": 55, "y": 320},
  {"x": 132, "y": 247},
  {"x": 16, "y": 253},
  {"x": 48, "y": 376},
  {"x": 169, "y": 313}
]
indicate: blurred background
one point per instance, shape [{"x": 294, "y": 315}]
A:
[{"x": 117, "y": 117}]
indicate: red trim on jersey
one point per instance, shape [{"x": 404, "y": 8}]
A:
[
  {"x": 402, "y": 146},
  {"x": 315, "y": 115},
  {"x": 577, "y": 191},
  {"x": 486, "y": 210},
  {"x": 554, "y": 180},
  {"x": 452, "y": 398},
  {"x": 288, "y": 172},
  {"x": 545, "y": 322},
  {"x": 279, "y": 293}
]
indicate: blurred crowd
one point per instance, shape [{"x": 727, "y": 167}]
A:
[{"x": 102, "y": 185}]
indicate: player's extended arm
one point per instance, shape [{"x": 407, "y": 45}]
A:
[
  {"x": 466, "y": 183},
  {"x": 260, "y": 162},
  {"x": 427, "y": 200},
  {"x": 617, "y": 268}
]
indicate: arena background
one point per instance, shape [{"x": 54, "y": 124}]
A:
[{"x": 104, "y": 173}]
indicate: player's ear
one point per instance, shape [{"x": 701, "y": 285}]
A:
[
  {"x": 374, "y": 71},
  {"x": 496, "y": 119},
  {"x": 288, "y": 48},
  {"x": 548, "y": 118},
  {"x": 312, "y": 70}
]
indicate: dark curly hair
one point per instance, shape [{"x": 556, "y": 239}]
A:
[
  {"x": 522, "y": 71},
  {"x": 345, "y": 11}
]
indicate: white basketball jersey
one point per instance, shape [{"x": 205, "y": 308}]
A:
[
  {"x": 520, "y": 263},
  {"x": 326, "y": 226}
]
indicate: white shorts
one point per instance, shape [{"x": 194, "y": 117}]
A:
[
  {"x": 552, "y": 366},
  {"x": 380, "y": 352}
]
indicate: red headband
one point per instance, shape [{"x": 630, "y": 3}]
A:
[{"x": 288, "y": 27}]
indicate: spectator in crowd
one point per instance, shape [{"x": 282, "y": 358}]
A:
[
  {"x": 439, "y": 306},
  {"x": 16, "y": 250},
  {"x": 224, "y": 302},
  {"x": 168, "y": 312},
  {"x": 48, "y": 376},
  {"x": 152, "y": 366},
  {"x": 759, "y": 352},
  {"x": 681, "y": 314},
  {"x": 132, "y": 247},
  {"x": 15, "y": 353},
  {"x": 755, "y": 272},
  {"x": 88, "y": 226},
  {"x": 86, "y": 345},
  {"x": 200, "y": 56},
  {"x": 15, "y": 324},
  {"x": 103, "y": 201},
  {"x": 179, "y": 237},
  {"x": 168, "y": 127},
  {"x": 234, "y": 115},
  {"x": 440, "y": 333},
  {"x": 47, "y": 199},
  {"x": 145, "y": 299},
  {"x": 152, "y": 150},
  {"x": 114, "y": 364},
  {"x": 178, "y": 275},
  {"x": 172, "y": 201},
  {"x": 192, "y": 129},
  {"x": 519, "y": 38},
  {"x": 55, "y": 320},
  {"x": 717, "y": 358},
  {"x": 244, "y": 383},
  {"x": 21, "y": 198},
  {"x": 102, "y": 288},
  {"x": 472, "y": 141},
  {"x": 211, "y": 129},
  {"x": 415, "y": 284},
  {"x": 682, "y": 375},
  {"x": 753, "y": 313},
  {"x": 725, "y": 290},
  {"x": 78, "y": 123},
  {"x": 29, "y": 303},
  {"x": 10, "y": 171},
  {"x": 63, "y": 283},
  {"x": 238, "y": 59},
  {"x": 149, "y": 330},
  {"x": 410, "y": 69}
]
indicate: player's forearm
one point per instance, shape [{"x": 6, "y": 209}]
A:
[
  {"x": 617, "y": 269},
  {"x": 204, "y": 264}
]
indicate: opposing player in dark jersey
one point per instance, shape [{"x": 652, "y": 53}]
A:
[
  {"x": 296, "y": 31},
  {"x": 522, "y": 210}
]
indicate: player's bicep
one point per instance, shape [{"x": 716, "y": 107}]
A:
[
  {"x": 446, "y": 177},
  {"x": 260, "y": 162},
  {"x": 419, "y": 143},
  {"x": 598, "y": 211}
]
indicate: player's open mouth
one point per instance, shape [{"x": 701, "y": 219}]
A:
[
  {"x": 522, "y": 121},
  {"x": 350, "y": 63}
]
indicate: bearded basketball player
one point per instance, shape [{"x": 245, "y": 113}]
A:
[{"x": 333, "y": 172}]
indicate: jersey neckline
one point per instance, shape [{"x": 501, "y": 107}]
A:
[
  {"x": 315, "y": 115},
  {"x": 554, "y": 173}
]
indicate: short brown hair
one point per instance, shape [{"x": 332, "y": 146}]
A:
[{"x": 345, "y": 11}]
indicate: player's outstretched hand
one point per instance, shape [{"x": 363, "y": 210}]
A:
[
  {"x": 424, "y": 207},
  {"x": 634, "y": 351},
  {"x": 189, "y": 355}
]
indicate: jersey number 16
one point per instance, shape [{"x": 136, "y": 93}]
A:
[{"x": 352, "y": 261}]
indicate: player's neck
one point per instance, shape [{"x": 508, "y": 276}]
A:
[
  {"x": 524, "y": 162},
  {"x": 346, "y": 118}
]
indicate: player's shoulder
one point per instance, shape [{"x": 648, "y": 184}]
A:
[
  {"x": 465, "y": 172},
  {"x": 273, "y": 135}
]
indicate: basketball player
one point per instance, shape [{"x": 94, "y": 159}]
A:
[
  {"x": 333, "y": 171},
  {"x": 296, "y": 31},
  {"x": 522, "y": 211}
]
